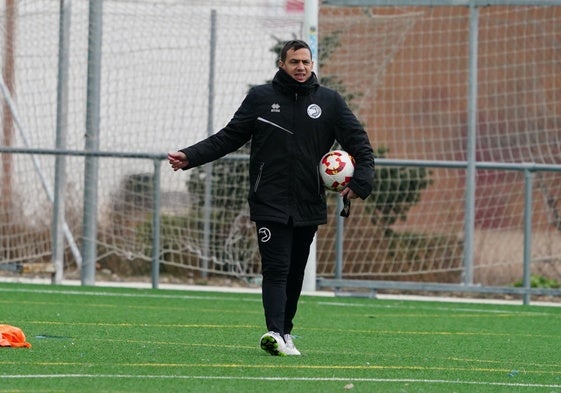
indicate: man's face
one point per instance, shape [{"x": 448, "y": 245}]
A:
[{"x": 298, "y": 64}]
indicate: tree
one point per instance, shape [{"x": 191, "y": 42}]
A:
[{"x": 396, "y": 191}]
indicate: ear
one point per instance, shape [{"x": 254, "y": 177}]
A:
[{"x": 281, "y": 63}]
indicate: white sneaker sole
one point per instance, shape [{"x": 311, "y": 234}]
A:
[{"x": 269, "y": 344}]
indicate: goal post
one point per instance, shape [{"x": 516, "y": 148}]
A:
[{"x": 310, "y": 34}]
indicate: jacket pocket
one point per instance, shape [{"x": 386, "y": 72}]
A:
[
  {"x": 258, "y": 179},
  {"x": 319, "y": 185}
]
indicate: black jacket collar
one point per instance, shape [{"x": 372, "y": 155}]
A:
[{"x": 288, "y": 85}]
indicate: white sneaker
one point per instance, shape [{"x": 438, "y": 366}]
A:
[
  {"x": 273, "y": 343},
  {"x": 290, "y": 348}
]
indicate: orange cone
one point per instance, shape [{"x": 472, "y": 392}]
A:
[{"x": 11, "y": 336}]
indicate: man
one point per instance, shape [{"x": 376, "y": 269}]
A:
[{"x": 292, "y": 122}]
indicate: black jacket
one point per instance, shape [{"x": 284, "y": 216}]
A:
[{"x": 291, "y": 126}]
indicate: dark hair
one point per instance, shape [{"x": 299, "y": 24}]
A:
[{"x": 294, "y": 45}]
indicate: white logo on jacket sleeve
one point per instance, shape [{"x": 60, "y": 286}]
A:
[
  {"x": 314, "y": 111},
  {"x": 275, "y": 108}
]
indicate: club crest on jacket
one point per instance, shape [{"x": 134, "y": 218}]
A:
[{"x": 314, "y": 111}]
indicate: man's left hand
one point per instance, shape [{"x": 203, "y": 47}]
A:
[{"x": 348, "y": 193}]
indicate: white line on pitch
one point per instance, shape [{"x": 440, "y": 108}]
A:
[{"x": 303, "y": 379}]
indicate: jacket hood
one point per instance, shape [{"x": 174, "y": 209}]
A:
[{"x": 288, "y": 85}]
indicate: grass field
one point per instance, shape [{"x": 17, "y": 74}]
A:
[{"x": 99, "y": 339}]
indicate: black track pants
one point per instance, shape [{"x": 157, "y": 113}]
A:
[{"x": 284, "y": 252}]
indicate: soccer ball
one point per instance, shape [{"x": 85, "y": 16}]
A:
[{"x": 336, "y": 169}]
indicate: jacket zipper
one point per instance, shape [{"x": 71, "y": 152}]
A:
[{"x": 258, "y": 177}]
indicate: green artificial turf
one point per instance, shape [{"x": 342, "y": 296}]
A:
[{"x": 98, "y": 339}]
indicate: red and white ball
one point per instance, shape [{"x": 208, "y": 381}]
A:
[{"x": 336, "y": 169}]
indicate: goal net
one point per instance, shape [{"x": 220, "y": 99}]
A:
[
  {"x": 167, "y": 83},
  {"x": 405, "y": 70},
  {"x": 154, "y": 97}
]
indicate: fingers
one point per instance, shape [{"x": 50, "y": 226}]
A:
[
  {"x": 177, "y": 160},
  {"x": 348, "y": 193},
  {"x": 177, "y": 155}
]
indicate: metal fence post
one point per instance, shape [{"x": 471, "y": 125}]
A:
[
  {"x": 156, "y": 233},
  {"x": 210, "y": 130},
  {"x": 469, "y": 223},
  {"x": 528, "y": 183},
  {"x": 92, "y": 143},
  {"x": 59, "y": 201}
]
